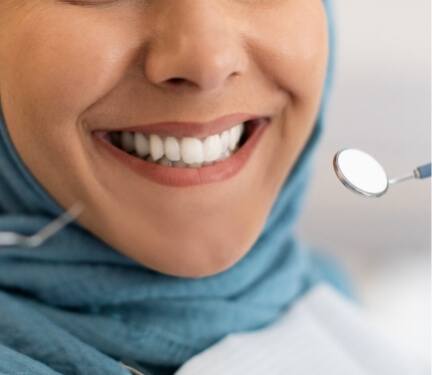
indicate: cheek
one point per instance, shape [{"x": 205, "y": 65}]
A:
[
  {"x": 291, "y": 46},
  {"x": 63, "y": 62},
  {"x": 53, "y": 71},
  {"x": 293, "y": 52}
]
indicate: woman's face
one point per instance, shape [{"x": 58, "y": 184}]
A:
[{"x": 71, "y": 68}]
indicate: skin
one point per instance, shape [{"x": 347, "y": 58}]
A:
[{"x": 69, "y": 68}]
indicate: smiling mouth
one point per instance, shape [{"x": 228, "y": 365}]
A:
[
  {"x": 155, "y": 154},
  {"x": 185, "y": 152}
]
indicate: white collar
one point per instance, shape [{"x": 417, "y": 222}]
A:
[{"x": 323, "y": 333}]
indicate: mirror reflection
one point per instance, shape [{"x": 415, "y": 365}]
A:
[{"x": 361, "y": 172}]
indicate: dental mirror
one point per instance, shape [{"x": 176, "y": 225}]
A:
[
  {"x": 362, "y": 174},
  {"x": 37, "y": 239}
]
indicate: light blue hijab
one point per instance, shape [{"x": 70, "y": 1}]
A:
[{"x": 77, "y": 306}]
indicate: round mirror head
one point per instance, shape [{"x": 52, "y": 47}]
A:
[{"x": 360, "y": 172}]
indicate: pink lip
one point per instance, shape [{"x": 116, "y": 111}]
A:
[
  {"x": 182, "y": 177},
  {"x": 191, "y": 129}
]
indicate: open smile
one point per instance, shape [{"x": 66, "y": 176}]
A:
[{"x": 185, "y": 154}]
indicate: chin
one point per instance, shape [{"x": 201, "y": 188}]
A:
[
  {"x": 192, "y": 261},
  {"x": 197, "y": 271}
]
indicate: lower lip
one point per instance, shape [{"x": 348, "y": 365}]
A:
[{"x": 186, "y": 176}]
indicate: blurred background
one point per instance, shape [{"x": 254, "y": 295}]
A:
[{"x": 380, "y": 103}]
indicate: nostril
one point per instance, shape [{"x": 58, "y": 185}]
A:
[
  {"x": 176, "y": 81},
  {"x": 179, "y": 82}
]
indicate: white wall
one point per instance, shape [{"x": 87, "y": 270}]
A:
[{"x": 380, "y": 103}]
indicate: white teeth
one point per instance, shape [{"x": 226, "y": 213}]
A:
[
  {"x": 156, "y": 147},
  {"x": 226, "y": 154},
  {"x": 212, "y": 148},
  {"x": 235, "y": 134},
  {"x": 172, "y": 149},
  {"x": 186, "y": 152},
  {"x": 225, "y": 138},
  {"x": 195, "y": 165},
  {"x": 142, "y": 145},
  {"x": 192, "y": 150},
  {"x": 127, "y": 141}
]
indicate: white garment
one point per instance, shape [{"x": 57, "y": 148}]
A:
[{"x": 322, "y": 334}]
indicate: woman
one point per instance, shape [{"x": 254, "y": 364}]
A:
[{"x": 186, "y": 129}]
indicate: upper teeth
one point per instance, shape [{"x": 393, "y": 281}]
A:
[{"x": 188, "y": 150}]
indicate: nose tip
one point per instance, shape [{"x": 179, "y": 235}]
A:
[
  {"x": 205, "y": 70},
  {"x": 194, "y": 48}
]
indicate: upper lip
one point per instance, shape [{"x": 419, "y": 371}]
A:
[{"x": 192, "y": 129}]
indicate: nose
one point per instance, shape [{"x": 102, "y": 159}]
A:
[{"x": 193, "y": 46}]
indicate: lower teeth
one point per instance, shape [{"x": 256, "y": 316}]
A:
[{"x": 181, "y": 164}]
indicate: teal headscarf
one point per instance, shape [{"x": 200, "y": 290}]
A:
[{"x": 77, "y": 306}]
